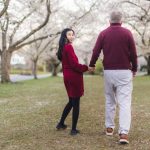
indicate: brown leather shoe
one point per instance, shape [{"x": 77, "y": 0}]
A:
[
  {"x": 123, "y": 139},
  {"x": 109, "y": 131}
]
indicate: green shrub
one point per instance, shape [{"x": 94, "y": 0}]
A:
[{"x": 99, "y": 67}]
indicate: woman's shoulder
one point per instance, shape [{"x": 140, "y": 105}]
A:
[{"x": 68, "y": 46}]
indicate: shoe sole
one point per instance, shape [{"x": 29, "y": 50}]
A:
[
  {"x": 123, "y": 141},
  {"x": 74, "y": 133},
  {"x": 109, "y": 134},
  {"x": 61, "y": 128}
]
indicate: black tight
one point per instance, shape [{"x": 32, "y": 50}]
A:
[
  {"x": 75, "y": 103},
  {"x": 66, "y": 111}
]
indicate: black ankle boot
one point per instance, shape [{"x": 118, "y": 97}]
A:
[
  {"x": 74, "y": 132},
  {"x": 61, "y": 126}
]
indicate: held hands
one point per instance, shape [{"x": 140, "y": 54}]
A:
[
  {"x": 91, "y": 69},
  {"x": 134, "y": 74}
]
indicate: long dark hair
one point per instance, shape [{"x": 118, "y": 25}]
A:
[{"x": 62, "y": 41}]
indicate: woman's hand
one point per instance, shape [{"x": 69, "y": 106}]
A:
[
  {"x": 134, "y": 74},
  {"x": 91, "y": 69}
]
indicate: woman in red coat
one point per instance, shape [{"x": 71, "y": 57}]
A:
[{"x": 73, "y": 78}]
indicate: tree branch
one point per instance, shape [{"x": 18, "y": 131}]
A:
[
  {"x": 82, "y": 16},
  {"x": 46, "y": 45},
  {"x": 6, "y": 4},
  {"x": 34, "y": 30},
  {"x": 132, "y": 3},
  {"x": 143, "y": 36},
  {"x": 135, "y": 28},
  {"x": 32, "y": 41},
  {"x": 18, "y": 25},
  {"x": 7, "y": 21}
]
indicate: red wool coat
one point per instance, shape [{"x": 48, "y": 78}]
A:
[{"x": 72, "y": 72}]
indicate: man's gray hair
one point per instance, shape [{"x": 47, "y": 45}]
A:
[{"x": 115, "y": 17}]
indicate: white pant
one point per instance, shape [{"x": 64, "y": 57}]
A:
[{"x": 118, "y": 89}]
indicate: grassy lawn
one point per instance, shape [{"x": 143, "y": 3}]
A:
[{"x": 29, "y": 112}]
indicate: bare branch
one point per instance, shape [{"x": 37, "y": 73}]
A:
[
  {"x": 36, "y": 29},
  {"x": 82, "y": 16},
  {"x": 46, "y": 45},
  {"x": 18, "y": 25},
  {"x": 38, "y": 44},
  {"x": 7, "y": 21},
  {"x": 135, "y": 28},
  {"x": 32, "y": 41},
  {"x": 143, "y": 35},
  {"x": 142, "y": 18},
  {"x": 6, "y": 4},
  {"x": 132, "y": 3}
]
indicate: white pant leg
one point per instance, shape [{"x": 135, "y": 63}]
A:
[
  {"x": 123, "y": 94},
  {"x": 110, "y": 107}
]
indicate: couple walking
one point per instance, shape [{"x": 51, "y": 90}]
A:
[{"x": 120, "y": 66}]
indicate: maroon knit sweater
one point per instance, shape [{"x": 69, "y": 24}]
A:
[{"x": 118, "y": 48}]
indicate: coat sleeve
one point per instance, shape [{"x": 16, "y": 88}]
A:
[
  {"x": 73, "y": 61},
  {"x": 133, "y": 53},
  {"x": 96, "y": 50}
]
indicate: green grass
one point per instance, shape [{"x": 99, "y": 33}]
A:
[
  {"x": 25, "y": 71},
  {"x": 30, "y": 110}
]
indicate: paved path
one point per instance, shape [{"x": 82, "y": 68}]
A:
[{"x": 17, "y": 77}]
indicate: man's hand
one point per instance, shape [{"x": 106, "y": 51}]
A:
[
  {"x": 91, "y": 69},
  {"x": 134, "y": 73}
]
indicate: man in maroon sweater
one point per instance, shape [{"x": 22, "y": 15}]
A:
[{"x": 120, "y": 65}]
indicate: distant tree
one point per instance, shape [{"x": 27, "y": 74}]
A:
[
  {"x": 10, "y": 43},
  {"x": 37, "y": 50},
  {"x": 138, "y": 17}
]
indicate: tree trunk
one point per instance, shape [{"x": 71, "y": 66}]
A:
[
  {"x": 54, "y": 71},
  {"x": 148, "y": 65},
  {"x": 34, "y": 70},
  {"x": 5, "y": 66},
  {"x": 5, "y": 60}
]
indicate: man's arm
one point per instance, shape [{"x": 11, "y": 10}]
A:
[
  {"x": 96, "y": 50},
  {"x": 133, "y": 54}
]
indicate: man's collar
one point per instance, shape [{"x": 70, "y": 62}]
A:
[{"x": 115, "y": 24}]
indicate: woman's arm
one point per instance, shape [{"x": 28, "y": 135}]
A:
[{"x": 73, "y": 62}]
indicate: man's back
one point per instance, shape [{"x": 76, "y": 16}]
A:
[{"x": 118, "y": 48}]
